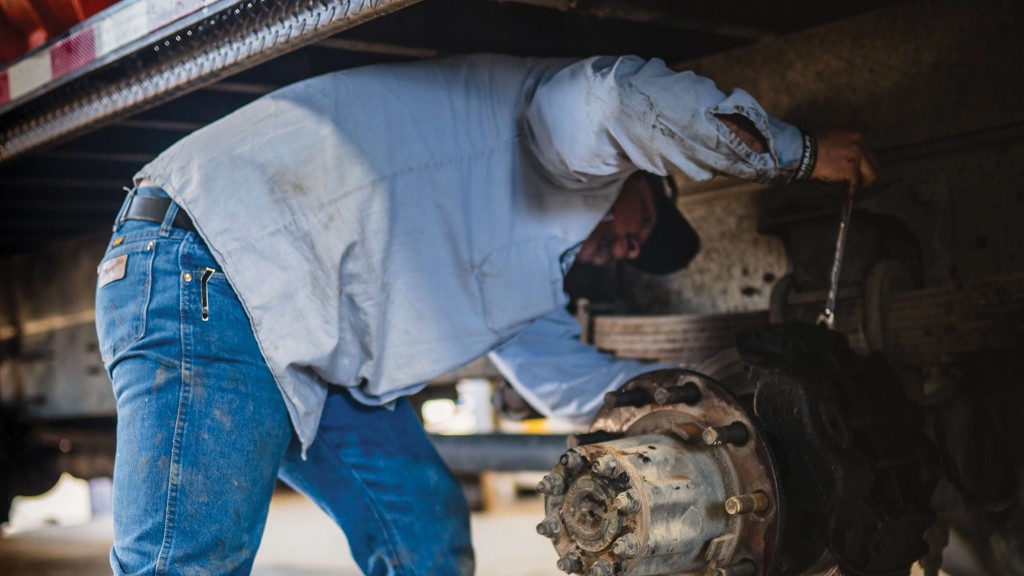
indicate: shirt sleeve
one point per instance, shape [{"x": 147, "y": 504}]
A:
[
  {"x": 560, "y": 376},
  {"x": 603, "y": 117}
]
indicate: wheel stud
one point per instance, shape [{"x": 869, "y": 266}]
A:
[
  {"x": 550, "y": 527},
  {"x": 688, "y": 393},
  {"x": 570, "y": 563},
  {"x": 571, "y": 460},
  {"x": 627, "y": 546},
  {"x": 627, "y": 502},
  {"x": 756, "y": 502},
  {"x": 735, "y": 433},
  {"x": 604, "y": 466},
  {"x": 552, "y": 484},
  {"x": 619, "y": 398}
]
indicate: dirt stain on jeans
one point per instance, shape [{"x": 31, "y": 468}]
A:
[
  {"x": 223, "y": 419},
  {"x": 160, "y": 379}
]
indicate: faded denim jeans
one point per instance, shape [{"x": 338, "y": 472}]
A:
[{"x": 203, "y": 434}]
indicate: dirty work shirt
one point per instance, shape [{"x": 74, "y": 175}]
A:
[{"x": 384, "y": 225}]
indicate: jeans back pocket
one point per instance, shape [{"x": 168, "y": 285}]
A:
[{"x": 122, "y": 296}]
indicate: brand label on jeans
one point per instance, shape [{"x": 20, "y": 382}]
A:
[{"x": 113, "y": 269}]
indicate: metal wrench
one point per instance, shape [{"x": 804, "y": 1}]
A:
[{"x": 828, "y": 317}]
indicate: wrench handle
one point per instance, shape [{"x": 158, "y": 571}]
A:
[{"x": 828, "y": 316}]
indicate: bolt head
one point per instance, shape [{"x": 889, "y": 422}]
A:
[
  {"x": 602, "y": 568},
  {"x": 571, "y": 460},
  {"x": 604, "y": 466},
  {"x": 550, "y": 527},
  {"x": 627, "y": 546},
  {"x": 628, "y": 502},
  {"x": 710, "y": 437},
  {"x": 756, "y": 502},
  {"x": 661, "y": 396},
  {"x": 553, "y": 484},
  {"x": 570, "y": 563}
]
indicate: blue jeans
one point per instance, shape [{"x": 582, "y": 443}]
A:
[{"x": 203, "y": 433}]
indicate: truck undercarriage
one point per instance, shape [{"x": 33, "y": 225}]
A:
[{"x": 862, "y": 448}]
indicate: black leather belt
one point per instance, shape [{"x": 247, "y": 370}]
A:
[{"x": 154, "y": 209}]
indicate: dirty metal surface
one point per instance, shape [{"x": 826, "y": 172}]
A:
[
  {"x": 928, "y": 326},
  {"x": 197, "y": 53},
  {"x": 661, "y": 457},
  {"x": 689, "y": 339}
]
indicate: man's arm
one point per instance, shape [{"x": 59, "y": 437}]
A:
[
  {"x": 603, "y": 117},
  {"x": 839, "y": 155},
  {"x": 560, "y": 376}
]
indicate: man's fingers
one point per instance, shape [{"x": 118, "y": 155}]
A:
[
  {"x": 867, "y": 175},
  {"x": 844, "y": 157},
  {"x": 868, "y": 167},
  {"x": 853, "y": 178},
  {"x": 870, "y": 155}
]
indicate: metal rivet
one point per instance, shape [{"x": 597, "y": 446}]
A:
[
  {"x": 187, "y": 276},
  {"x": 149, "y": 246}
]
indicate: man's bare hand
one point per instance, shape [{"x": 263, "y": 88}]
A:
[{"x": 844, "y": 157}]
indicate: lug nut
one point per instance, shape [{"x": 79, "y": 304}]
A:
[
  {"x": 627, "y": 502},
  {"x": 571, "y": 562},
  {"x": 634, "y": 397},
  {"x": 735, "y": 433},
  {"x": 602, "y": 568},
  {"x": 577, "y": 440},
  {"x": 744, "y": 568},
  {"x": 552, "y": 484},
  {"x": 604, "y": 466},
  {"x": 688, "y": 393},
  {"x": 550, "y": 527},
  {"x": 571, "y": 460},
  {"x": 756, "y": 502},
  {"x": 627, "y": 546}
]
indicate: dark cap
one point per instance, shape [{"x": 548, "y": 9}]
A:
[{"x": 673, "y": 242}]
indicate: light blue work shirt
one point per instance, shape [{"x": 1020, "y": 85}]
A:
[{"x": 387, "y": 224}]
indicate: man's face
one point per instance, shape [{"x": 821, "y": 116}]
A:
[{"x": 624, "y": 229}]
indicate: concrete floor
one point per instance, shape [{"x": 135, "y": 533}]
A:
[
  {"x": 505, "y": 540},
  {"x": 299, "y": 539}
]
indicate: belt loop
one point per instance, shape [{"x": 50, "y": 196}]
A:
[
  {"x": 124, "y": 206},
  {"x": 165, "y": 227}
]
